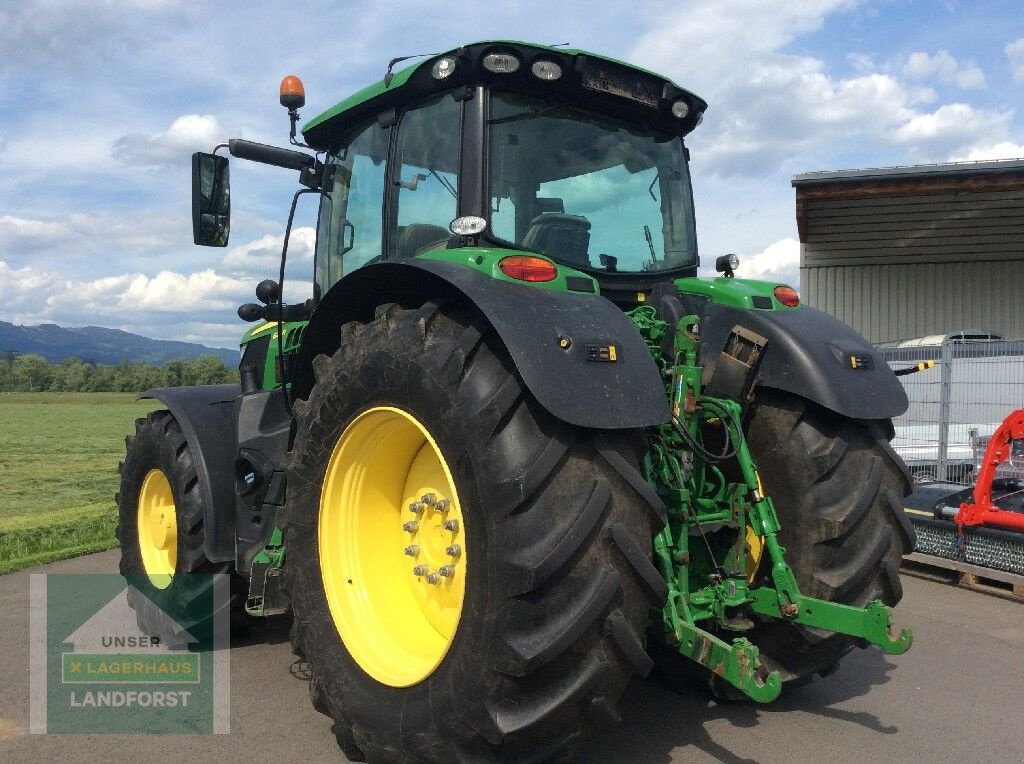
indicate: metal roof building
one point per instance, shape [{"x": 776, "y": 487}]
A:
[{"x": 911, "y": 251}]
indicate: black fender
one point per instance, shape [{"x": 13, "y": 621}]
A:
[
  {"x": 205, "y": 413},
  {"x": 550, "y": 336},
  {"x": 811, "y": 354}
]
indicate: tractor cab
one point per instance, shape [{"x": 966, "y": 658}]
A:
[{"x": 504, "y": 145}]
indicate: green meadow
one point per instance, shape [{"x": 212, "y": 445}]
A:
[{"x": 59, "y": 454}]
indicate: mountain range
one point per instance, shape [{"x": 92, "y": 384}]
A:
[{"x": 96, "y": 344}]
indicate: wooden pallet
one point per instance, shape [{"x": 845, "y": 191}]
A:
[{"x": 965, "y": 574}]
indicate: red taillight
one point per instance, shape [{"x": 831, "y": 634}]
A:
[
  {"x": 528, "y": 268},
  {"x": 787, "y": 296}
]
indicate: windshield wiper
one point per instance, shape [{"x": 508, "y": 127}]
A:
[
  {"x": 446, "y": 183},
  {"x": 650, "y": 243}
]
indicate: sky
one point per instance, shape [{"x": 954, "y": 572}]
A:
[{"x": 102, "y": 103}]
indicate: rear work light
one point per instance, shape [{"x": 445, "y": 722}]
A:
[
  {"x": 528, "y": 268},
  {"x": 787, "y": 296}
]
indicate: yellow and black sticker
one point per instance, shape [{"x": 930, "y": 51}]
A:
[
  {"x": 861, "y": 362},
  {"x": 602, "y": 353}
]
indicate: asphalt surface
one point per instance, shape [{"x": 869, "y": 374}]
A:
[{"x": 958, "y": 695}]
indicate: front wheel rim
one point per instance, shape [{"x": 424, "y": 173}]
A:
[
  {"x": 157, "y": 529},
  {"x": 392, "y": 546}
]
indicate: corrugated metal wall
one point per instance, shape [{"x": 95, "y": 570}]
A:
[
  {"x": 897, "y": 266},
  {"x": 890, "y": 302}
]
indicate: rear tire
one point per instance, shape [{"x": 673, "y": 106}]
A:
[
  {"x": 558, "y": 525},
  {"x": 838, "y": 489}
]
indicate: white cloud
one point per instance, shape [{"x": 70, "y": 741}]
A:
[
  {"x": 951, "y": 123},
  {"x": 26, "y": 234},
  {"x": 169, "y": 292},
  {"x": 47, "y": 33},
  {"x": 1015, "y": 54},
  {"x": 262, "y": 258},
  {"x": 943, "y": 67},
  {"x": 778, "y": 262},
  {"x": 187, "y": 134},
  {"x": 769, "y": 106},
  {"x": 112, "y": 235},
  {"x": 32, "y": 295},
  {"x": 984, "y": 152}
]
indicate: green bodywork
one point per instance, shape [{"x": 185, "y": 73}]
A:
[
  {"x": 734, "y": 293},
  {"x": 486, "y": 259},
  {"x": 291, "y": 341},
  {"x": 714, "y": 583}
]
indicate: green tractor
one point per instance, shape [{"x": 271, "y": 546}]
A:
[{"x": 513, "y": 452}]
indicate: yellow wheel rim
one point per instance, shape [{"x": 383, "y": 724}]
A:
[
  {"x": 392, "y": 546},
  {"x": 158, "y": 529}
]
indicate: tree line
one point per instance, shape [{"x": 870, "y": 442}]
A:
[{"x": 33, "y": 373}]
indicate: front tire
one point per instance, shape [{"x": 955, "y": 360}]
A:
[
  {"x": 555, "y": 541},
  {"x": 161, "y": 532}
]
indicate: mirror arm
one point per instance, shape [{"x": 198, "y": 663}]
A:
[{"x": 272, "y": 155}]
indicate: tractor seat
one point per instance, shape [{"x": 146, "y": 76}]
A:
[
  {"x": 420, "y": 237},
  {"x": 559, "y": 236}
]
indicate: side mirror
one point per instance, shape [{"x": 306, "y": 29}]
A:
[{"x": 211, "y": 200}]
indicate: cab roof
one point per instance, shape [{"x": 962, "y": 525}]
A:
[{"x": 415, "y": 81}]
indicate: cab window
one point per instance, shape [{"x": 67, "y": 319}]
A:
[
  {"x": 350, "y": 227},
  {"x": 426, "y": 177}
]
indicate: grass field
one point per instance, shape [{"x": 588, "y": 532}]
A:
[{"x": 58, "y": 472}]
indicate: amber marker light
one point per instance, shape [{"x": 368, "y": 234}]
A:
[
  {"x": 293, "y": 94},
  {"x": 528, "y": 268},
  {"x": 787, "y": 296}
]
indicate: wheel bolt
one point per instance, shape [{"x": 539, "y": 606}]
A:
[
  {"x": 412, "y": 550},
  {"x": 420, "y": 570},
  {"x": 433, "y": 579},
  {"x": 451, "y": 525},
  {"x": 428, "y": 498},
  {"x": 453, "y": 551},
  {"x": 442, "y": 506},
  {"x": 446, "y": 571},
  {"x": 411, "y": 527},
  {"x": 416, "y": 507}
]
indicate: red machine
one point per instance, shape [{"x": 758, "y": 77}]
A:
[{"x": 1006, "y": 444}]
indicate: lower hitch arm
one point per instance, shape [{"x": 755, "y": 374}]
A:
[{"x": 873, "y": 623}]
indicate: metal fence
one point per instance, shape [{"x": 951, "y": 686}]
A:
[{"x": 955, "y": 406}]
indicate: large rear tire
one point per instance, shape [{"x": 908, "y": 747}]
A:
[
  {"x": 554, "y": 561},
  {"x": 838, "y": 489}
]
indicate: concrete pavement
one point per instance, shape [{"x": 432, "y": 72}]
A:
[{"x": 956, "y": 696}]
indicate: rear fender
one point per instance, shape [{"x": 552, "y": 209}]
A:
[
  {"x": 813, "y": 355},
  {"x": 556, "y": 340},
  {"x": 205, "y": 414}
]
